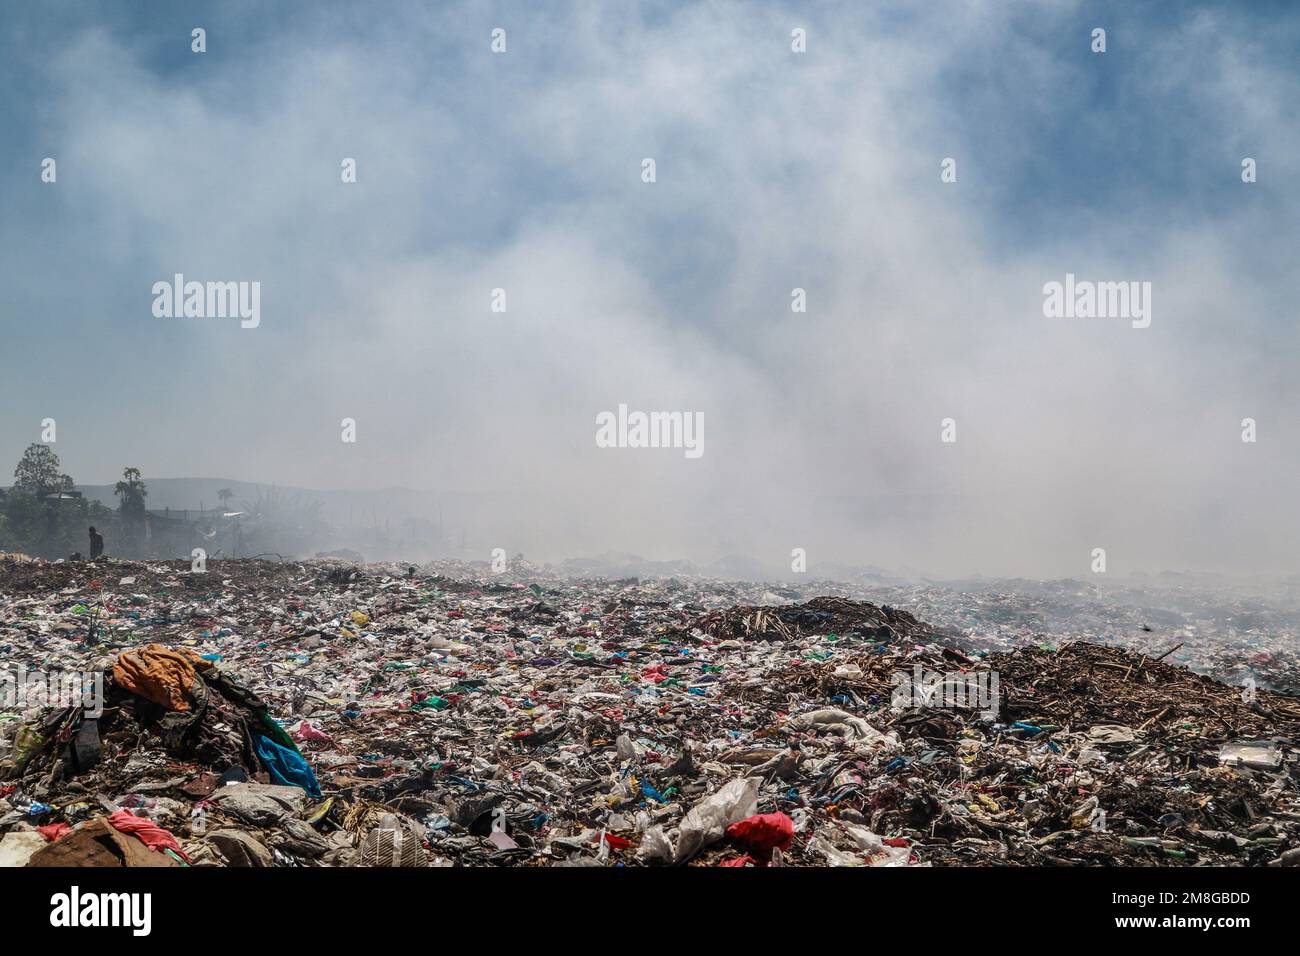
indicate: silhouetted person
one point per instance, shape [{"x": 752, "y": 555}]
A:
[{"x": 96, "y": 544}]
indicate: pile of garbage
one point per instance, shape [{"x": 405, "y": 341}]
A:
[
  {"x": 320, "y": 714},
  {"x": 821, "y": 615},
  {"x": 1237, "y": 631}
]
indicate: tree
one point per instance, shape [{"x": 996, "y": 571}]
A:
[
  {"x": 53, "y": 527},
  {"x": 23, "y": 525},
  {"x": 38, "y": 471},
  {"x": 225, "y": 494},
  {"x": 131, "y": 490}
]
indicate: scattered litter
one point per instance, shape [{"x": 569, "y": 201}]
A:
[{"x": 277, "y": 713}]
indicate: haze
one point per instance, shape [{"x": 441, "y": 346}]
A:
[{"x": 774, "y": 171}]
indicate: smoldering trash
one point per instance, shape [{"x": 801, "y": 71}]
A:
[{"x": 312, "y": 714}]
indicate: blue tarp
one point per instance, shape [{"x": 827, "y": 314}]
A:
[{"x": 287, "y": 767}]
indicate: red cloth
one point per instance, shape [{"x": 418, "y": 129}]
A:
[
  {"x": 52, "y": 831},
  {"x": 148, "y": 832},
  {"x": 738, "y": 861},
  {"x": 306, "y": 731},
  {"x": 763, "y": 832},
  {"x": 613, "y": 842}
]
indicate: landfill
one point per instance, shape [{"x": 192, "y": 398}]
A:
[{"x": 325, "y": 713}]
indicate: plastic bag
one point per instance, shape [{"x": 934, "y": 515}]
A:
[
  {"x": 655, "y": 845},
  {"x": 708, "y": 820}
]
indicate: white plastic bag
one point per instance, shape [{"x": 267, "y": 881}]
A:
[
  {"x": 708, "y": 820},
  {"x": 655, "y": 845}
]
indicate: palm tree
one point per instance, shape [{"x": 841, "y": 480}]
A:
[{"x": 131, "y": 489}]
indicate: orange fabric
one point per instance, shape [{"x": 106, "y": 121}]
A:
[{"x": 159, "y": 674}]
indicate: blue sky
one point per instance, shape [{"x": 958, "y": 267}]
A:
[{"x": 775, "y": 170}]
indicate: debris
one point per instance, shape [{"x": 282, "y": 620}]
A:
[
  {"x": 708, "y": 820},
  {"x": 276, "y": 713},
  {"x": 1256, "y": 754},
  {"x": 99, "y": 843},
  {"x": 156, "y": 673},
  {"x": 763, "y": 833}
]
